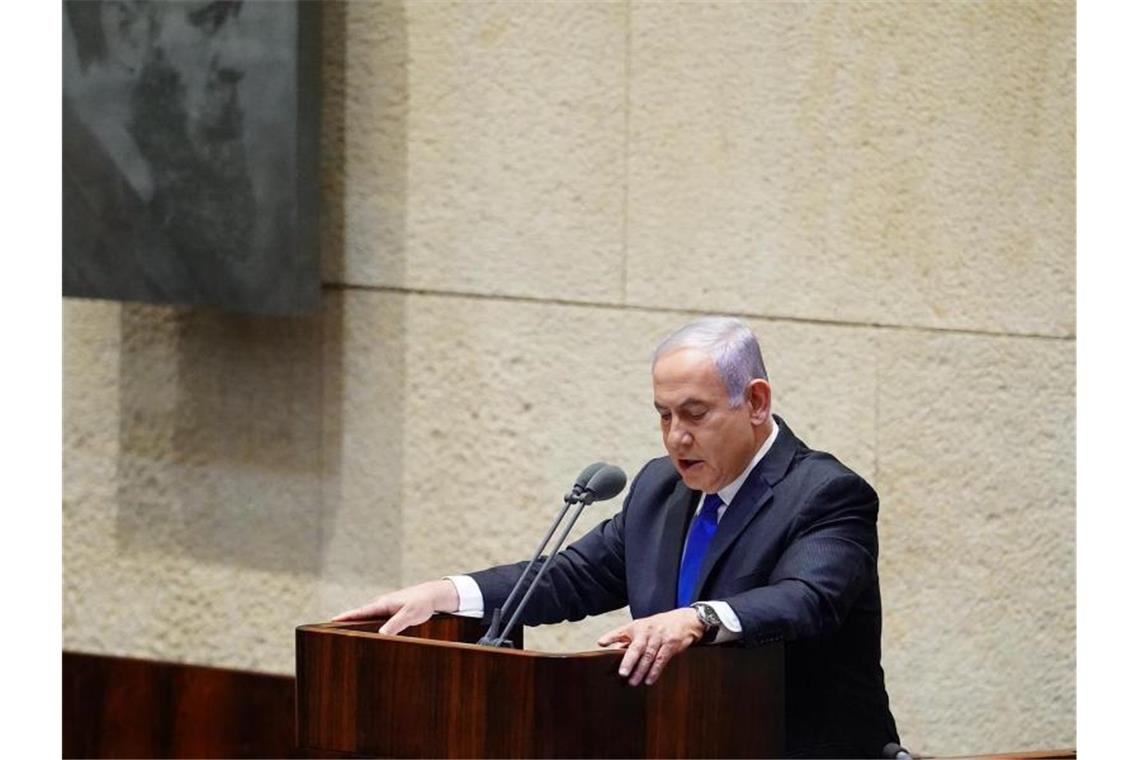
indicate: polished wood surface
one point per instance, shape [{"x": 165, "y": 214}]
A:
[
  {"x": 121, "y": 707},
  {"x": 367, "y": 694},
  {"x": 439, "y": 627}
]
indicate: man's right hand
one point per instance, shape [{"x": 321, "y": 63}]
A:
[{"x": 408, "y": 606}]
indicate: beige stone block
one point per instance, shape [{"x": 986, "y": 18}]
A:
[
  {"x": 173, "y": 607},
  {"x": 506, "y": 403},
  {"x": 485, "y": 148},
  {"x": 90, "y": 394},
  {"x": 121, "y": 599},
  {"x": 823, "y": 386},
  {"x": 363, "y": 450},
  {"x": 879, "y": 163},
  {"x": 220, "y": 437},
  {"x": 976, "y": 475}
]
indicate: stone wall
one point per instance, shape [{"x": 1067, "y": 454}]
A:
[{"x": 519, "y": 201}]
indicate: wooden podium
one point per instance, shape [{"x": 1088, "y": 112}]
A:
[{"x": 432, "y": 692}]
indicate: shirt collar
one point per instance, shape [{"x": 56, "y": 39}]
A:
[{"x": 728, "y": 493}]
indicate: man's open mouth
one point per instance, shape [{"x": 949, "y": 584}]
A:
[{"x": 688, "y": 464}]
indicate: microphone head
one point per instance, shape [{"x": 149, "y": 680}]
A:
[
  {"x": 606, "y": 483},
  {"x": 584, "y": 476}
]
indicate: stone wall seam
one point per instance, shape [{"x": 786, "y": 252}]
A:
[{"x": 685, "y": 312}]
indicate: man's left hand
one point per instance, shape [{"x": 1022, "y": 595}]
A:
[{"x": 651, "y": 642}]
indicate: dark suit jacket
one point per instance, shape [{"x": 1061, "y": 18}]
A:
[{"x": 794, "y": 556}]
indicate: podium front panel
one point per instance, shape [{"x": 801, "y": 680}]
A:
[{"x": 364, "y": 694}]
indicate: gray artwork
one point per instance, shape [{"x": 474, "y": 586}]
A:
[{"x": 190, "y": 140}]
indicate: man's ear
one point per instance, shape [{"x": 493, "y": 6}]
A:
[{"x": 759, "y": 398}]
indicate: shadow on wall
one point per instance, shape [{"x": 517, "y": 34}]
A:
[
  {"x": 232, "y": 425},
  {"x": 221, "y": 437},
  {"x": 334, "y": 39}
]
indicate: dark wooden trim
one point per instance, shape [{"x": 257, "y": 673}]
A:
[
  {"x": 127, "y": 707},
  {"x": 122, "y": 707}
]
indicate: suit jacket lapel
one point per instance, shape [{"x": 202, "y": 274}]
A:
[
  {"x": 749, "y": 500},
  {"x": 678, "y": 509}
]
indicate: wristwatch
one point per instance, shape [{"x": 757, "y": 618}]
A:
[{"x": 709, "y": 619}]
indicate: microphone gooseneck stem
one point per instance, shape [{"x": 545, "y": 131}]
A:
[
  {"x": 537, "y": 554},
  {"x": 545, "y": 565},
  {"x": 494, "y": 633}
]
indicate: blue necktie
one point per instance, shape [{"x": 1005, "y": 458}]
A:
[{"x": 700, "y": 536}]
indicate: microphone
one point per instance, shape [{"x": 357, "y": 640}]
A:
[
  {"x": 493, "y": 636},
  {"x": 583, "y": 480},
  {"x": 606, "y": 483},
  {"x": 895, "y": 751}
]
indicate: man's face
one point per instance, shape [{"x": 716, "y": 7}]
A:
[
  {"x": 201, "y": 43},
  {"x": 709, "y": 442},
  {"x": 194, "y": 50}
]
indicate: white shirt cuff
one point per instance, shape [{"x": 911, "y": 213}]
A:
[
  {"x": 731, "y": 629},
  {"x": 471, "y": 597}
]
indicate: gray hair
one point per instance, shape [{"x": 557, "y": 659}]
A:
[{"x": 731, "y": 345}]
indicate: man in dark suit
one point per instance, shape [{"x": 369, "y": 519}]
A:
[{"x": 741, "y": 534}]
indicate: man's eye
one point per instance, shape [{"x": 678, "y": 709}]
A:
[
  {"x": 665, "y": 416},
  {"x": 211, "y": 16}
]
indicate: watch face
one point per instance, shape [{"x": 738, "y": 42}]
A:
[{"x": 707, "y": 615}]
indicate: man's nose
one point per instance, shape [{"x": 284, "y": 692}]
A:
[
  {"x": 678, "y": 435},
  {"x": 228, "y": 53}
]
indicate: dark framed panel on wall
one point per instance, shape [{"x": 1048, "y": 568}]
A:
[{"x": 191, "y": 135}]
